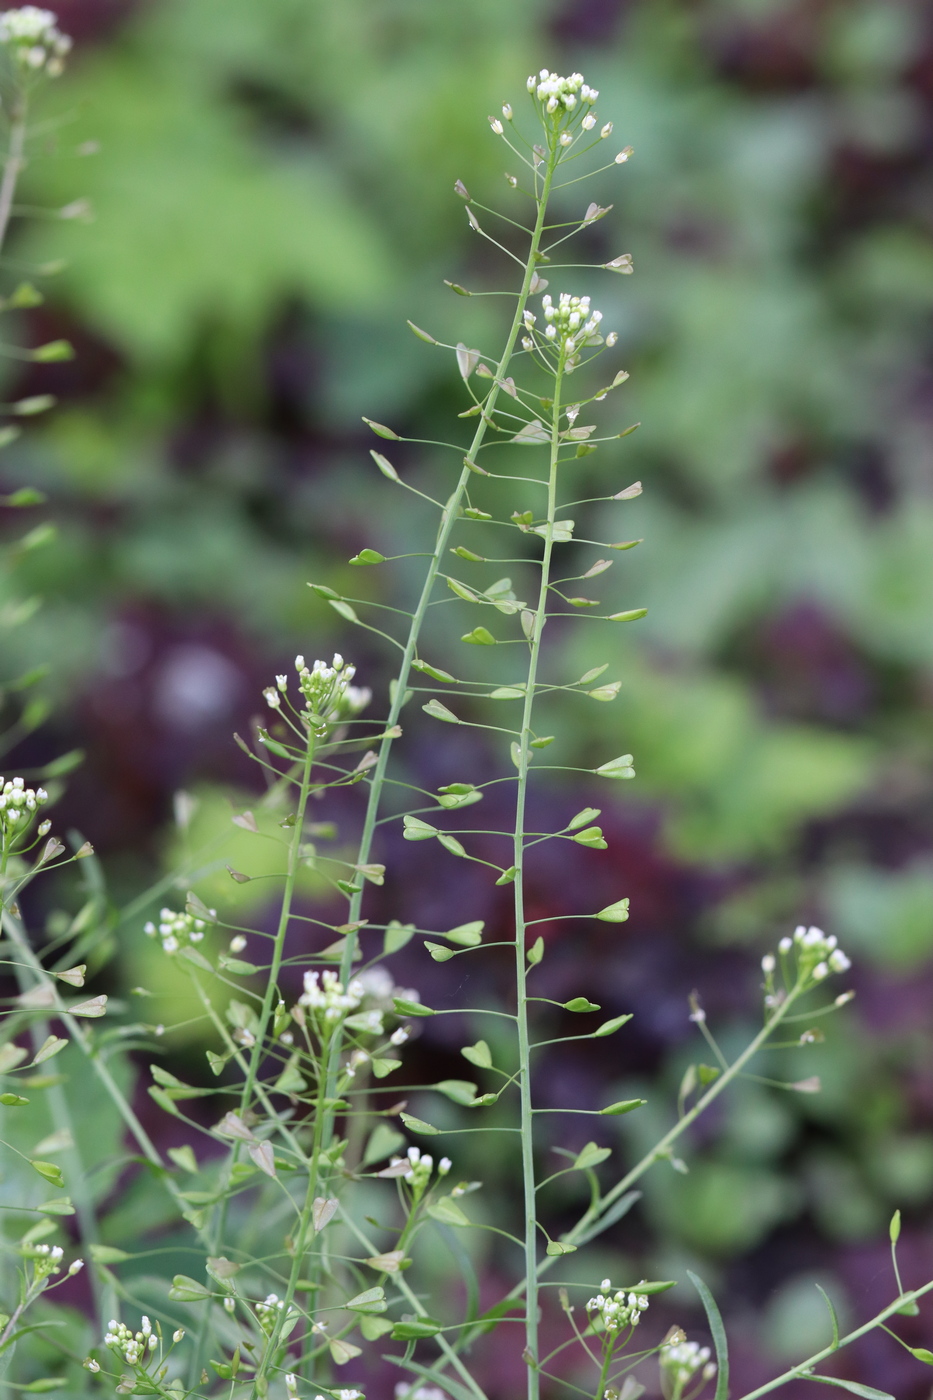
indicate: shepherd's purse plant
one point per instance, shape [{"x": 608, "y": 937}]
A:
[{"x": 316, "y": 1203}]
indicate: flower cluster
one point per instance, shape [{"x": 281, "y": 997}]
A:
[
  {"x": 682, "y": 1359},
  {"x": 418, "y": 1167},
  {"x": 325, "y": 992},
  {"x": 133, "y": 1347},
  {"x": 46, "y": 1259},
  {"x": 269, "y": 1310},
  {"x": 569, "y": 325},
  {"x": 619, "y": 1309},
  {"x": 176, "y": 930},
  {"x": 817, "y": 954},
  {"x": 18, "y": 803},
  {"x": 560, "y": 94},
  {"x": 34, "y": 39},
  {"x": 326, "y": 690}
]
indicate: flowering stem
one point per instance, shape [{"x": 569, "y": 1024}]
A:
[
  {"x": 13, "y": 166},
  {"x": 521, "y": 969}
]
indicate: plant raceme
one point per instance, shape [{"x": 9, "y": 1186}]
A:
[{"x": 307, "y": 1215}]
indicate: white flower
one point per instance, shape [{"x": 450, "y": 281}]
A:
[
  {"x": 611, "y": 338},
  {"x": 398, "y": 1037},
  {"x": 444, "y": 1166},
  {"x": 619, "y": 1309},
  {"x": 75, "y": 1267},
  {"x": 622, "y": 157},
  {"x": 496, "y": 125},
  {"x": 325, "y": 992},
  {"x": 178, "y": 1334},
  {"x": 507, "y": 111},
  {"x": 238, "y": 943},
  {"x": 681, "y": 1360},
  {"x": 606, "y": 131},
  {"x": 566, "y": 139},
  {"x": 768, "y": 964},
  {"x": 588, "y": 122}
]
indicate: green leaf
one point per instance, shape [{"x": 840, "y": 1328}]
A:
[
  {"x": 415, "y": 1329},
  {"x": 439, "y": 711},
  {"x": 854, "y": 1387},
  {"x": 605, "y": 693},
  {"x": 384, "y": 465},
  {"x": 469, "y": 935},
  {"x": 49, "y": 1171},
  {"x": 397, "y": 935},
  {"x": 580, "y": 1004},
  {"x": 479, "y": 637},
  {"x": 382, "y": 1067},
  {"x": 187, "y": 1290},
  {"x": 373, "y": 1328},
  {"x": 372, "y": 1301},
  {"x": 459, "y": 1090},
  {"x": 922, "y": 1354},
  {"x": 447, "y": 1212},
  {"x": 718, "y": 1334},
  {"x": 592, "y": 837},
  {"x": 617, "y": 768},
  {"x": 49, "y": 1047},
  {"x": 438, "y": 952},
  {"x": 614, "y": 913},
  {"x": 381, "y": 430},
  {"x": 12, "y": 1100},
  {"x": 417, "y": 830},
  {"x": 558, "y": 1247},
  {"x": 59, "y": 1205},
  {"x": 536, "y": 952},
  {"x": 368, "y": 556},
  {"x": 433, "y": 671},
  {"x": 633, "y": 614},
  {"x": 461, "y": 590},
  {"x": 660, "y": 1286},
  {"x": 450, "y": 843},
  {"x": 478, "y": 1054},
  {"x": 608, "y": 1027},
  {"x": 344, "y": 609},
  {"x": 53, "y": 351},
  {"x": 894, "y": 1229},
  {"x": 418, "y": 1125},
  {"x": 582, "y": 818},
  {"x": 411, "y": 1008},
  {"x": 464, "y": 553},
  {"x": 107, "y": 1254},
  {"x": 590, "y": 1156},
  {"x": 623, "y": 1106}
]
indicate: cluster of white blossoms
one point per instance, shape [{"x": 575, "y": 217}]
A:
[
  {"x": 569, "y": 325},
  {"x": 134, "y": 1347},
  {"x": 18, "y": 804},
  {"x": 46, "y": 1259},
  {"x": 176, "y": 930},
  {"x": 326, "y": 690},
  {"x": 681, "y": 1361},
  {"x": 556, "y": 93},
  {"x": 325, "y": 992},
  {"x": 269, "y": 1309},
  {"x": 291, "y": 1390},
  {"x": 817, "y": 954},
  {"x": 619, "y": 1309},
  {"x": 418, "y": 1167},
  {"x": 34, "y": 39}
]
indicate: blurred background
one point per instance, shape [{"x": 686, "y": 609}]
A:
[{"x": 269, "y": 194}]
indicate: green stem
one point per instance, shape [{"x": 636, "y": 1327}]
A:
[
  {"x": 800, "y": 1372},
  {"x": 521, "y": 970},
  {"x": 14, "y": 164}
]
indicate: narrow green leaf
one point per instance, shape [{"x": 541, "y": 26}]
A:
[
  {"x": 415, "y": 1329},
  {"x": 450, "y": 843},
  {"x": 867, "y": 1392},
  {"x": 422, "y": 335},
  {"x": 411, "y": 1008},
  {"x": 344, "y": 609},
  {"x": 372, "y": 1301},
  {"x": 384, "y": 465},
  {"x": 433, "y": 671},
  {"x": 894, "y": 1229},
  {"x": 922, "y": 1354},
  {"x": 832, "y": 1313},
  {"x": 718, "y": 1334},
  {"x": 107, "y": 1254},
  {"x": 381, "y": 430},
  {"x": 608, "y": 1027},
  {"x": 623, "y": 1106},
  {"x": 418, "y": 1125},
  {"x": 439, "y": 711}
]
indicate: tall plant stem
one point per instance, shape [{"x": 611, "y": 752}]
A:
[
  {"x": 264, "y": 1018},
  {"x": 448, "y": 520},
  {"x": 14, "y": 164}
]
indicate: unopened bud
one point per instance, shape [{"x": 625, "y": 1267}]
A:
[
  {"x": 623, "y": 156},
  {"x": 606, "y": 131},
  {"x": 461, "y": 189},
  {"x": 75, "y": 1268},
  {"x": 496, "y": 125},
  {"x": 507, "y": 111}
]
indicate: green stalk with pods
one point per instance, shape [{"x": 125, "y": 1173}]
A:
[{"x": 308, "y": 1218}]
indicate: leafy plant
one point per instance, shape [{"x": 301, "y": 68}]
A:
[{"x": 303, "y": 1236}]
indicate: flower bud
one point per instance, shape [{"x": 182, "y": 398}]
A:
[
  {"x": 507, "y": 111},
  {"x": 606, "y": 131}
]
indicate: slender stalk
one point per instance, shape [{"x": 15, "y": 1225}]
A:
[
  {"x": 802, "y": 1370},
  {"x": 521, "y": 971},
  {"x": 14, "y": 163}
]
